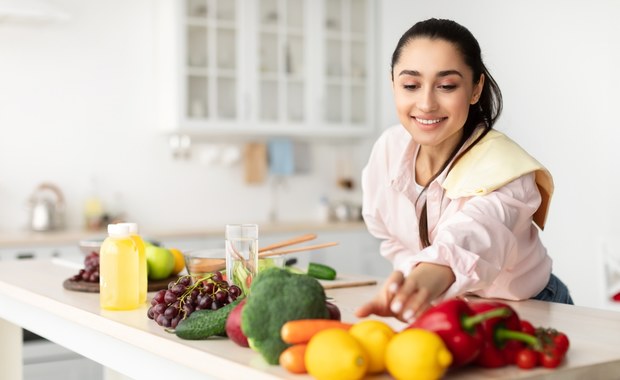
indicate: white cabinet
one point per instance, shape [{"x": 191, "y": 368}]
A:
[
  {"x": 44, "y": 360},
  {"x": 266, "y": 67},
  {"x": 67, "y": 252}
]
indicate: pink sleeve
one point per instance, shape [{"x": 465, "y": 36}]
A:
[{"x": 485, "y": 236}]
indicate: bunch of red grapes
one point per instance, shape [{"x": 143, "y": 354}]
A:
[
  {"x": 186, "y": 295},
  {"x": 90, "y": 272}
]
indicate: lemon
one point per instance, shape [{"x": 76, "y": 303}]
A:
[
  {"x": 417, "y": 354},
  {"x": 179, "y": 260},
  {"x": 374, "y": 336},
  {"x": 334, "y": 354}
]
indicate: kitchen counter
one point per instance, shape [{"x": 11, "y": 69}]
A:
[
  {"x": 73, "y": 236},
  {"x": 32, "y": 296}
]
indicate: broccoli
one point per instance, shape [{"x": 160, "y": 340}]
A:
[{"x": 277, "y": 296}]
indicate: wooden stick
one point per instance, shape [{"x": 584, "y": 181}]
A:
[
  {"x": 285, "y": 243},
  {"x": 300, "y": 249},
  {"x": 215, "y": 265}
]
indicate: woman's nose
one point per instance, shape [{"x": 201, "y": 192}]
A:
[{"x": 426, "y": 101}]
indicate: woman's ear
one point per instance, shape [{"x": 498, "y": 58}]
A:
[{"x": 477, "y": 90}]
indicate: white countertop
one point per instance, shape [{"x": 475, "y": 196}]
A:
[
  {"x": 32, "y": 296},
  {"x": 73, "y": 236}
]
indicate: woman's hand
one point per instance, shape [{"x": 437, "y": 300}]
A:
[
  {"x": 380, "y": 304},
  {"x": 406, "y": 298}
]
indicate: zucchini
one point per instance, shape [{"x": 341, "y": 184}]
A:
[
  {"x": 203, "y": 324},
  {"x": 321, "y": 271}
]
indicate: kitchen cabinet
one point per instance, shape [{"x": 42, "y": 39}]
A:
[
  {"x": 67, "y": 252},
  {"x": 266, "y": 67},
  {"x": 44, "y": 359}
]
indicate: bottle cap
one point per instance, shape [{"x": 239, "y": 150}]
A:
[
  {"x": 133, "y": 227},
  {"x": 118, "y": 230}
]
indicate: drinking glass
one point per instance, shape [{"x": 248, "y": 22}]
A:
[{"x": 241, "y": 254}]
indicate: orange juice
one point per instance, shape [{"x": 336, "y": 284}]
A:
[
  {"x": 119, "y": 270},
  {"x": 143, "y": 282}
]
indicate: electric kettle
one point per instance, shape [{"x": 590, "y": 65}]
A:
[{"x": 47, "y": 207}]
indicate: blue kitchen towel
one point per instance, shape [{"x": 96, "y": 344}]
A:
[{"x": 281, "y": 156}]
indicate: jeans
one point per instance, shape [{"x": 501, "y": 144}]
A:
[{"x": 555, "y": 291}]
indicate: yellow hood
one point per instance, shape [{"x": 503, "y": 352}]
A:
[{"x": 493, "y": 162}]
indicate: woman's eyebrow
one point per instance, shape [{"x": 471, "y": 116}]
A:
[{"x": 443, "y": 73}]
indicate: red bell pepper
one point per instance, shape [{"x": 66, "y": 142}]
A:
[
  {"x": 459, "y": 327},
  {"x": 503, "y": 337}
]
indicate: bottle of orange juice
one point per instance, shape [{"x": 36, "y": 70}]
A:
[
  {"x": 137, "y": 239},
  {"x": 119, "y": 270}
]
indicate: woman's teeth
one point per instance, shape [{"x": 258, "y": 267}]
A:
[{"x": 427, "y": 121}]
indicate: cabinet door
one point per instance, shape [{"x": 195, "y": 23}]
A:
[
  {"x": 348, "y": 62},
  {"x": 211, "y": 67},
  {"x": 281, "y": 45},
  {"x": 265, "y": 67}
]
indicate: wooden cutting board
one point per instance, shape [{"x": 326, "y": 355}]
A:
[
  {"x": 255, "y": 162},
  {"x": 348, "y": 281},
  {"x": 93, "y": 287}
]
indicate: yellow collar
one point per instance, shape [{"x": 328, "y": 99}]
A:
[{"x": 492, "y": 163}]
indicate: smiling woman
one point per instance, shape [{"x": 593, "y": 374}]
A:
[{"x": 473, "y": 196}]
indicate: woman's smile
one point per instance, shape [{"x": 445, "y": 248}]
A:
[{"x": 426, "y": 124}]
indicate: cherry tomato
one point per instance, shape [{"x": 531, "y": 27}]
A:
[
  {"x": 527, "y": 358},
  {"x": 550, "y": 359},
  {"x": 561, "y": 342}
]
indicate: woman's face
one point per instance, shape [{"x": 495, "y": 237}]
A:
[{"x": 433, "y": 89}]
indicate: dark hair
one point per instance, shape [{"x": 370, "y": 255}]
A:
[{"x": 489, "y": 106}]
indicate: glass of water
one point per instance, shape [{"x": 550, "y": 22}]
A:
[{"x": 241, "y": 254}]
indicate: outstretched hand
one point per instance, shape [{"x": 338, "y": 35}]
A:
[{"x": 408, "y": 297}]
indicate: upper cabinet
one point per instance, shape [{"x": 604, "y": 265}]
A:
[{"x": 266, "y": 67}]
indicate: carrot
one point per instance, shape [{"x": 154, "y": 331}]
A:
[
  {"x": 292, "y": 359},
  {"x": 301, "y": 330}
]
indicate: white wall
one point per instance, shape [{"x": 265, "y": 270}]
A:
[
  {"x": 77, "y": 102},
  {"x": 557, "y": 65}
]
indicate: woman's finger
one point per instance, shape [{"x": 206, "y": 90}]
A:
[
  {"x": 407, "y": 288},
  {"x": 377, "y": 306},
  {"x": 392, "y": 285}
]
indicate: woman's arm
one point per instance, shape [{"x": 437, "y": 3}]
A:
[{"x": 469, "y": 250}]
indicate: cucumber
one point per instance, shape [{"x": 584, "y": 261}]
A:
[
  {"x": 321, "y": 271},
  {"x": 203, "y": 324}
]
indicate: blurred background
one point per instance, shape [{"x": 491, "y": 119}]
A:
[{"x": 188, "y": 115}]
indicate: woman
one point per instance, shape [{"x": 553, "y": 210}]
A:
[{"x": 453, "y": 200}]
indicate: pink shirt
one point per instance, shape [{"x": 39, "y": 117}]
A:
[{"x": 489, "y": 241}]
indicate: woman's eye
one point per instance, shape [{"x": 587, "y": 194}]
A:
[
  {"x": 410, "y": 86},
  {"x": 447, "y": 87}
]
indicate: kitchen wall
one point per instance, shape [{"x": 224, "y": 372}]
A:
[
  {"x": 556, "y": 62},
  {"x": 77, "y": 102}
]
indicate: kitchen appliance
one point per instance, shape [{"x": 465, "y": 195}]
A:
[{"x": 47, "y": 207}]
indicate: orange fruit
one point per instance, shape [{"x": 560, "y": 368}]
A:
[{"x": 179, "y": 260}]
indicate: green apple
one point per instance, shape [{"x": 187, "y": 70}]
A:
[{"x": 159, "y": 262}]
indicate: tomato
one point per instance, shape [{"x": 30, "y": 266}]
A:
[
  {"x": 527, "y": 327},
  {"x": 561, "y": 343},
  {"x": 527, "y": 358},
  {"x": 550, "y": 359}
]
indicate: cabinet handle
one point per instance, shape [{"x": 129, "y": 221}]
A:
[{"x": 25, "y": 255}]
